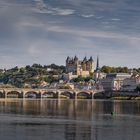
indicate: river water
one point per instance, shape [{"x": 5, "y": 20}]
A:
[{"x": 69, "y": 120}]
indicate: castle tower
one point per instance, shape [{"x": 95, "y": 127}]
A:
[
  {"x": 67, "y": 63},
  {"x": 84, "y": 64},
  {"x": 68, "y": 59},
  {"x": 91, "y": 64},
  {"x": 71, "y": 65},
  {"x": 75, "y": 59}
]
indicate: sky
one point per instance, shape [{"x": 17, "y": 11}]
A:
[{"x": 47, "y": 31}]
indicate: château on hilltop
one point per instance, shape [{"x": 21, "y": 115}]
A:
[{"x": 79, "y": 67}]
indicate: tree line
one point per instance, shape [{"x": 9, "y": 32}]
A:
[
  {"x": 109, "y": 69},
  {"x": 35, "y": 74},
  {"x": 31, "y": 75}
]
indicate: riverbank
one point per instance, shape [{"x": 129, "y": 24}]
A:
[
  {"x": 125, "y": 98},
  {"x": 118, "y": 95}
]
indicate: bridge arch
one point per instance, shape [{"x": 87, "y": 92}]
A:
[
  {"x": 67, "y": 94},
  {"x": 14, "y": 94},
  {"x": 83, "y": 95},
  {"x": 2, "y": 94},
  {"x": 31, "y": 94},
  {"x": 48, "y": 94}
]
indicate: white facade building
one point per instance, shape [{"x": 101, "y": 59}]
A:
[
  {"x": 130, "y": 84},
  {"x": 114, "y": 81}
]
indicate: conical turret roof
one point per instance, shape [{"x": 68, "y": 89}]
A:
[
  {"x": 75, "y": 58},
  {"x": 91, "y": 59},
  {"x": 68, "y": 58},
  {"x": 85, "y": 59}
]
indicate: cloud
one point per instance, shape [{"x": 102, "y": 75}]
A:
[
  {"x": 115, "y": 19},
  {"x": 62, "y": 12},
  {"x": 56, "y": 11},
  {"x": 41, "y": 7},
  {"x": 87, "y": 15},
  {"x": 86, "y": 33}
]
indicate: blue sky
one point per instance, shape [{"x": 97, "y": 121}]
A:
[{"x": 47, "y": 31}]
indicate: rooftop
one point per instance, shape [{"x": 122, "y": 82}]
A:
[{"x": 116, "y": 75}]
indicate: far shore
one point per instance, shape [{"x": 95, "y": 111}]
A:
[{"x": 118, "y": 95}]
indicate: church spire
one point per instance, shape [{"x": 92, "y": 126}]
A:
[{"x": 97, "y": 64}]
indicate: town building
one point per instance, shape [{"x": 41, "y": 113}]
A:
[
  {"x": 130, "y": 84},
  {"x": 79, "y": 67},
  {"x": 114, "y": 81},
  {"x": 68, "y": 76}
]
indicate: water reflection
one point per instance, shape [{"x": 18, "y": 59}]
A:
[{"x": 69, "y": 119}]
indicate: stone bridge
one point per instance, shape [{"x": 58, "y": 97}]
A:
[{"x": 46, "y": 93}]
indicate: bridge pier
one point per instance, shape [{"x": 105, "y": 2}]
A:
[
  {"x": 58, "y": 94},
  {"x": 93, "y": 92},
  {"x": 23, "y": 94},
  {"x": 5, "y": 93},
  {"x": 40, "y": 94},
  {"x": 92, "y": 95},
  {"x": 75, "y": 95},
  {"x": 20, "y": 95}
]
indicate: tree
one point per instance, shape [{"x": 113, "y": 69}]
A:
[
  {"x": 37, "y": 65},
  {"x": 22, "y": 70},
  {"x": 106, "y": 69},
  {"x": 78, "y": 79}
]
